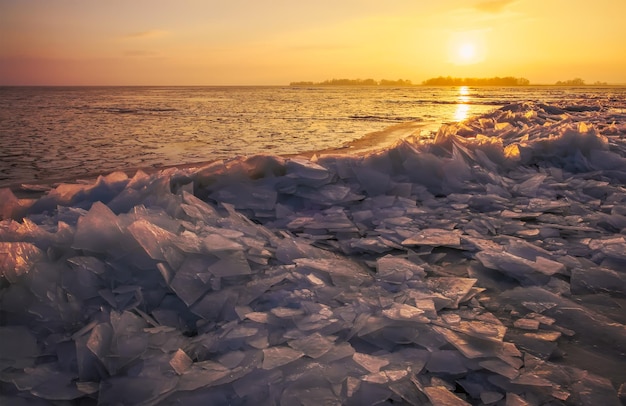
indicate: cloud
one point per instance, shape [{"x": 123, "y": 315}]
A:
[
  {"x": 139, "y": 53},
  {"x": 146, "y": 34},
  {"x": 493, "y": 6},
  {"x": 318, "y": 47}
]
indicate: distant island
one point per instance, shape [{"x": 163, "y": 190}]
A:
[
  {"x": 495, "y": 81},
  {"x": 578, "y": 82},
  {"x": 443, "y": 81},
  {"x": 438, "y": 81}
]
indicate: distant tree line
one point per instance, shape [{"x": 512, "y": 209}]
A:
[
  {"x": 355, "y": 82},
  {"x": 577, "y": 82},
  {"x": 571, "y": 82},
  {"x": 495, "y": 81},
  {"x": 441, "y": 81}
]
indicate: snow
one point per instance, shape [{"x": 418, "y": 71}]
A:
[{"x": 462, "y": 269}]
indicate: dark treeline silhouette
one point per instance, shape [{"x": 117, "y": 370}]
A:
[
  {"x": 495, "y": 81},
  {"x": 571, "y": 82},
  {"x": 355, "y": 82},
  {"x": 578, "y": 82}
]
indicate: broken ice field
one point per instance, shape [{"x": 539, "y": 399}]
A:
[{"x": 483, "y": 265}]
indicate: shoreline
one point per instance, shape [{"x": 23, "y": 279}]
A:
[{"x": 370, "y": 142}]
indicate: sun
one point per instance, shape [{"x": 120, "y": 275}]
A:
[
  {"x": 466, "y": 52},
  {"x": 467, "y": 47}
]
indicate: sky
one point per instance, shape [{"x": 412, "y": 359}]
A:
[{"x": 263, "y": 42}]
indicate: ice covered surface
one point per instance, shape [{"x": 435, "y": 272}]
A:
[{"x": 486, "y": 265}]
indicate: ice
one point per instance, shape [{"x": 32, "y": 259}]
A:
[
  {"x": 98, "y": 230},
  {"x": 500, "y": 368},
  {"x": 188, "y": 283},
  {"x": 440, "y": 396},
  {"x": 397, "y": 270},
  {"x": 434, "y": 237},
  {"x": 152, "y": 238},
  {"x": 313, "y": 346},
  {"x": 484, "y": 265},
  {"x": 17, "y": 259},
  {"x": 524, "y": 270},
  {"x": 597, "y": 280},
  {"x": 19, "y": 347},
  {"x": 453, "y": 290},
  {"x": 10, "y": 206},
  {"x": 277, "y": 356},
  {"x": 371, "y": 363},
  {"x": 341, "y": 271},
  {"x": 404, "y": 312},
  {"x": 180, "y": 362}
]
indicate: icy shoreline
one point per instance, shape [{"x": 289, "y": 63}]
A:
[{"x": 486, "y": 265}]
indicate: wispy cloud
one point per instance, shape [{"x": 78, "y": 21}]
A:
[
  {"x": 493, "y": 6},
  {"x": 139, "y": 53},
  {"x": 146, "y": 34},
  {"x": 318, "y": 47}
]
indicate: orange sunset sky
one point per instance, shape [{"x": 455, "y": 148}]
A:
[{"x": 263, "y": 42}]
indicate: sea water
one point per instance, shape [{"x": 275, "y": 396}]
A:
[
  {"x": 484, "y": 264},
  {"x": 66, "y": 132}
]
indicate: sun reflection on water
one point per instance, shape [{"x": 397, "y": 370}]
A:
[{"x": 462, "y": 107}]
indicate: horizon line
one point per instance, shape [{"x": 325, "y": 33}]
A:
[{"x": 289, "y": 85}]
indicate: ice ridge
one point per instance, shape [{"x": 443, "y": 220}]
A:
[{"x": 483, "y": 265}]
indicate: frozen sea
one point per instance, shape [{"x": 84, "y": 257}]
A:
[
  {"x": 51, "y": 133},
  {"x": 479, "y": 259}
]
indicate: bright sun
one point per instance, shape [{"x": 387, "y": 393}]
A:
[
  {"x": 467, "y": 47},
  {"x": 466, "y": 52}
]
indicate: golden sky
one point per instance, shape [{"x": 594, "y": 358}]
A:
[{"x": 263, "y": 42}]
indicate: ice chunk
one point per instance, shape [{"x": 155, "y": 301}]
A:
[
  {"x": 513, "y": 399},
  {"x": 453, "y": 289},
  {"x": 446, "y": 361},
  {"x": 374, "y": 182},
  {"x": 588, "y": 325},
  {"x": 440, "y": 396},
  {"x": 19, "y": 347},
  {"x": 520, "y": 268},
  {"x": 17, "y": 258},
  {"x": 217, "y": 244},
  {"x": 99, "y": 341},
  {"x": 198, "y": 209},
  {"x": 435, "y": 237},
  {"x": 405, "y": 312},
  {"x": 274, "y": 357},
  {"x": 470, "y": 347},
  {"x": 99, "y": 230},
  {"x": 313, "y": 346},
  {"x": 489, "y": 397},
  {"x": 500, "y": 368},
  {"x": 341, "y": 270},
  {"x": 397, "y": 270},
  {"x": 597, "y": 280},
  {"x": 153, "y": 239},
  {"x": 180, "y": 362},
  {"x": 289, "y": 249},
  {"x": 371, "y": 363},
  {"x": 526, "y": 324},
  {"x": 247, "y": 196},
  {"x": 188, "y": 282},
  {"x": 530, "y": 186},
  {"x": 46, "y": 382},
  {"x": 302, "y": 169},
  {"x": 230, "y": 265},
  {"x": 9, "y": 204},
  {"x": 615, "y": 249}
]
